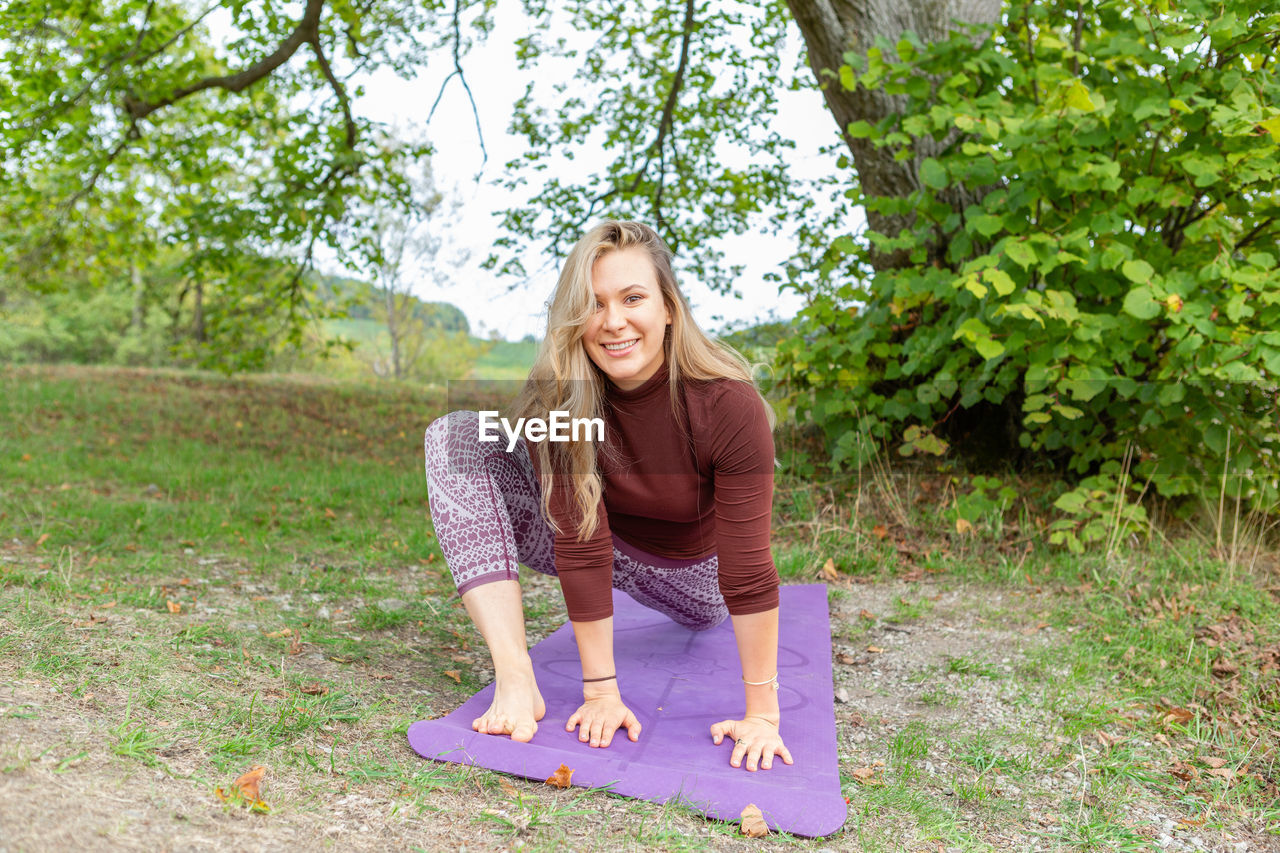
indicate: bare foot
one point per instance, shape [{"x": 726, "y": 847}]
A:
[{"x": 517, "y": 706}]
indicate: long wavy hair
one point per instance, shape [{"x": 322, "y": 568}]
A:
[{"x": 564, "y": 378}]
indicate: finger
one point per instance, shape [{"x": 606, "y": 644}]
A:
[
  {"x": 753, "y": 758},
  {"x": 739, "y": 750},
  {"x": 719, "y": 730},
  {"x": 766, "y": 758},
  {"x": 786, "y": 754},
  {"x": 573, "y": 721},
  {"x": 633, "y": 727},
  {"x": 606, "y": 734},
  {"x": 597, "y": 728}
]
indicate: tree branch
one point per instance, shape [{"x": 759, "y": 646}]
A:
[
  {"x": 457, "y": 72},
  {"x": 307, "y": 31},
  {"x": 338, "y": 89},
  {"x": 664, "y": 123}
]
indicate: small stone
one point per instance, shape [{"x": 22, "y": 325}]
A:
[
  {"x": 948, "y": 792},
  {"x": 189, "y": 551},
  {"x": 842, "y": 696},
  {"x": 323, "y": 613},
  {"x": 389, "y": 605}
]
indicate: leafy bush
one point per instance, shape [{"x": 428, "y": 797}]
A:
[{"x": 1092, "y": 254}]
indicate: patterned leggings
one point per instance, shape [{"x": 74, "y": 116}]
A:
[{"x": 485, "y": 504}]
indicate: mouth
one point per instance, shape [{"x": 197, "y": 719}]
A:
[{"x": 621, "y": 347}]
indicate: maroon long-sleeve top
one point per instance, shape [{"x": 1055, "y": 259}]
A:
[{"x": 676, "y": 491}]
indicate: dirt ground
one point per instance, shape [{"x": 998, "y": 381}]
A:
[{"x": 62, "y": 788}]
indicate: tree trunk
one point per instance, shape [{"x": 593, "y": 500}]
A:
[
  {"x": 393, "y": 332},
  {"x": 833, "y": 27}
]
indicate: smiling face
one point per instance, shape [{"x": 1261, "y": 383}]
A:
[{"x": 624, "y": 336}]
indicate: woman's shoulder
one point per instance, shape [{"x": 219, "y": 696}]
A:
[{"x": 717, "y": 406}]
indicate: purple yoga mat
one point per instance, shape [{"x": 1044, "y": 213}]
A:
[{"x": 677, "y": 682}]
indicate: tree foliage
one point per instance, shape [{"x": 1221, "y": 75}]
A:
[
  {"x": 1116, "y": 282},
  {"x": 128, "y": 128}
]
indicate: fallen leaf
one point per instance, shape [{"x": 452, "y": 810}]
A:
[
  {"x": 42, "y": 539},
  {"x": 867, "y": 614},
  {"x": 963, "y": 526},
  {"x": 275, "y": 635},
  {"x": 1224, "y": 668},
  {"x": 315, "y": 688},
  {"x": 846, "y": 659},
  {"x": 1215, "y": 762},
  {"x": 560, "y": 779},
  {"x": 174, "y": 607},
  {"x": 454, "y": 674},
  {"x": 856, "y": 720},
  {"x": 245, "y": 790},
  {"x": 1175, "y": 715},
  {"x": 328, "y": 513},
  {"x": 382, "y": 676},
  {"x": 875, "y": 650},
  {"x": 828, "y": 572},
  {"x": 508, "y": 788},
  {"x": 1224, "y": 773},
  {"x": 880, "y": 531},
  {"x": 753, "y": 824},
  {"x": 864, "y": 775},
  {"x": 295, "y": 644}
]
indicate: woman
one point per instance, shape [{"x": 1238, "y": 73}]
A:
[{"x": 673, "y": 508}]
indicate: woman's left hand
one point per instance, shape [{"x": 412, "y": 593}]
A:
[{"x": 754, "y": 738}]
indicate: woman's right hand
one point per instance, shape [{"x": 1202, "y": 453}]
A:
[{"x": 599, "y": 717}]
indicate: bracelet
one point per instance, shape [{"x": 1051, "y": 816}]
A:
[
  {"x": 606, "y": 678},
  {"x": 773, "y": 681}
]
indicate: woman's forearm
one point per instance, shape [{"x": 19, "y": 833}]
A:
[
  {"x": 757, "y": 637},
  {"x": 595, "y": 649}
]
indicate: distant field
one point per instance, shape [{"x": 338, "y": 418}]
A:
[{"x": 504, "y": 360}]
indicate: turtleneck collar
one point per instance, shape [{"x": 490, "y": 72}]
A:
[{"x": 652, "y": 387}]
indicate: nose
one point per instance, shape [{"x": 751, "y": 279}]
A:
[{"x": 614, "y": 318}]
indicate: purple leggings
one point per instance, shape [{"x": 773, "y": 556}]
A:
[{"x": 485, "y": 504}]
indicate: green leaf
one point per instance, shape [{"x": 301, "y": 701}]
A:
[
  {"x": 1020, "y": 253},
  {"x": 1078, "y": 98},
  {"x": 1001, "y": 281},
  {"x": 933, "y": 173},
  {"x": 847, "y": 78},
  {"x": 988, "y": 225},
  {"x": 1138, "y": 271},
  {"x": 1272, "y": 126},
  {"x": 1141, "y": 304}
]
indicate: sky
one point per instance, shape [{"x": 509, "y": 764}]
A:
[{"x": 496, "y": 82}]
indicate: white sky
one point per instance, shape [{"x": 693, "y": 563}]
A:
[{"x": 496, "y": 82}]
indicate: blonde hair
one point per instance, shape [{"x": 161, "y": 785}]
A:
[{"x": 564, "y": 378}]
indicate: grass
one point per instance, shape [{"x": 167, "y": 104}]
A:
[{"x": 203, "y": 566}]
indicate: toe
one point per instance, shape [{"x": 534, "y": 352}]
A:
[{"x": 524, "y": 732}]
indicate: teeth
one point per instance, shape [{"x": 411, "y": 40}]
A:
[{"x": 620, "y": 346}]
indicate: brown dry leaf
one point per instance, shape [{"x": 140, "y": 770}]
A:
[
  {"x": 1175, "y": 715},
  {"x": 880, "y": 531},
  {"x": 846, "y": 659},
  {"x": 174, "y": 607},
  {"x": 245, "y": 790},
  {"x": 963, "y": 526},
  {"x": 865, "y": 775},
  {"x": 1224, "y": 773},
  {"x": 454, "y": 674},
  {"x": 508, "y": 788},
  {"x": 560, "y": 779},
  {"x": 828, "y": 571},
  {"x": 328, "y": 513},
  {"x": 295, "y": 644},
  {"x": 315, "y": 688},
  {"x": 867, "y": 614},
  {"x": 1215, "y": 762},
  {"x": 382, "y": 676},
  {"x": 753, "y": 824},
  {"x": 856, "y": 720},
  {"x": 42, "y": 539},
  {"x": 1224, "y": 668},
  {"x": 275, "y": 635},
  {"x": 875, "y": 650}
]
